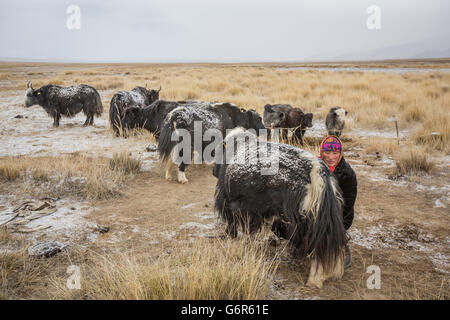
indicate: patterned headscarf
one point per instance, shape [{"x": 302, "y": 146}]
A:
[{"x": 331, "y": 143}]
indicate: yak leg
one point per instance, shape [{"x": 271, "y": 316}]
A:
[
  {"x": 231, "y": 228},
  {"x": 56, "y": 118},
  {"x": 231, "y": 218},
  {"x": 284, "y": 135},
  {"x": 299, "y": 136},
  {"x": 168, "y": 169},
  {"x": 181, "y": 174},
  {"x": 316, "y": 275},
  {"x": 338, "y": 270},
  {"x": 252, "y": 223},
  {"x": 89, "y": 120}
]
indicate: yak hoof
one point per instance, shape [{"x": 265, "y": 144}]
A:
[
  {"x": 168, "y": 174},
  {"x": 316, "y": 275},
  {"x": 182, "y": 177},
  {"x": 314, "y": 284}
]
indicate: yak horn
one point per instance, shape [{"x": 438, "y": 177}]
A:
[{"x": 159, "y": 88}]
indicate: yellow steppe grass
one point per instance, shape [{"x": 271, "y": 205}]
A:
[
  {"x": 207, "y": 269},
  {"x": 91, "y": 178},
  {"x": 419, "y": 101},
  {"x": 414, "y": 161}
]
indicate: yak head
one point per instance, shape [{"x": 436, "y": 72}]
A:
[
  {"x": 273, "y": 118},
  {"x": 150, "y": 94},
  {"x": 32, "y": 96},
  {"x": 339, "y": 112},
  {"x": 252, "y": 120},
  {"x": 307, "y": 120},
  {"x": 342, "y": 113},
  {"x": 153, "y": 95}
]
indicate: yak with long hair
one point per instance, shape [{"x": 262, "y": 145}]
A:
[
  {"x": 286, "y": 116},
  {"x": 301, "y": 195},
  {"x": 65, "y": 101},
  {"x": 335, "y": 121},
  {"x": 217, "y": 116},
  {"x": 138, "y": 97}
]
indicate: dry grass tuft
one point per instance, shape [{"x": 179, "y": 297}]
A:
[
  {"x": 230, "y": 269},
  {"x": 382, "y": 145},
  {"x": 413, "y": 162},
  {"x": 9, "y": 171},
  {"x": 20, "y": 275},
  {"x": 124, "y": 162},
  {"x": 435, "y": 132},
  {"x": 5, "y": 235}
]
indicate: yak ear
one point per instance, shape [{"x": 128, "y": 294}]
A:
[{"x": 267, "y": 108}]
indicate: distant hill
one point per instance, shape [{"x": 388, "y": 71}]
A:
[{"x": 428, "y": 49}]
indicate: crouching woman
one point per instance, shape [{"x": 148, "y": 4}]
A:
[{"x": 331, "y": 152}]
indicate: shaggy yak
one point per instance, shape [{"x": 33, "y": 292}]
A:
[
  {"x": 301, "y": 194},
  {"x": 150, "y": 118},
  {"x": 65, "y": 101},
  {"x": 138, "y": 97},
  {"x": 285, "y": 116},
  {"x": 335, "y": 121},
  {"x": 196, "y": 118}
]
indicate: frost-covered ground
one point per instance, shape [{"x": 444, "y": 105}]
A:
[{"x": 29, "y": 132}]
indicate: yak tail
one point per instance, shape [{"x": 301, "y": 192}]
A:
[
  {"x": 165, "y": 143},
  {"x": 114, "y": 116},
  {"x": 98, "y": 106},
  {"x": 316, "y": 220}
]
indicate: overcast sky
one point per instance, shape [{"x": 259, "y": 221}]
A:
[{"x": 216, "y": 30}]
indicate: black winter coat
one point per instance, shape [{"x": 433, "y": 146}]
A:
[{"x": 346, "y": 178}]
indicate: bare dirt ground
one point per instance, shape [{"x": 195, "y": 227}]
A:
[{"x": 401, "y": 223}]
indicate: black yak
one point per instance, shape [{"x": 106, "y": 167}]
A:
[
  {"x": 191, "y": 121},
  {"x": 138, "y": 97},
  {"x": 285, "y": 116},
  {"x": 300, "y": 193},
  {"x": 335, "y": 121},
  {"x": 65, "y": 101},
  {"x": 150, "y": 118}
]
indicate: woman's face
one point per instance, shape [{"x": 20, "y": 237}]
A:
[{"x": 331, "y": 158}]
